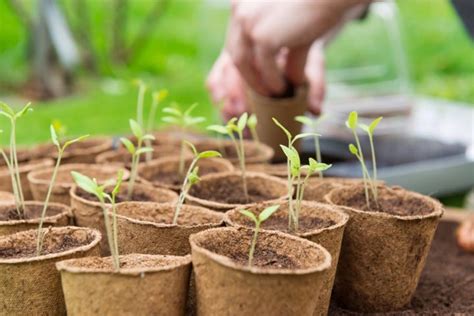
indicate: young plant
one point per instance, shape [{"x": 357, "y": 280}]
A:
[
  {"x": 313, "y": 125},
  {"x": 263, "y": 216},
  {"x": 296, "y": 171},
  {"x": 370, "y": 182},
  {"x": 61, "y": 149},
  {"x": 192, "y": 177},
  {"x": 136, "y": 152},
  {"x": 12, "y": 161},
  {"x": 158, "y": 97},
  {"x": 91, "y": 186},
  {"x": 252, "y": 124},
  {"x": 184, "y": 120},
  {"x": 233, "y": 127},
  {"x": 141, "y": 96}
]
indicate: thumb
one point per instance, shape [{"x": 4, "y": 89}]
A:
[{"x": 315, "y": 74}]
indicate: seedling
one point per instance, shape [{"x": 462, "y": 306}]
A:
[
  {"x": 313, "y": 125},
  {"x": 91, "y": 186},
  {"x": 192, "y": 177},
  {"x": 370, "y": 182},
  {"x": 12, "y": 161},
  {"x": 233, "y": 127},
  {"x": 184, "y": 120},
  {"x": 252, "y": 124},
  {"x": 61, "y": 149},
  {"x": 158, "y": 97},
  {"x": 136, "y": 152},
  {"x": 263, "y": 216},
  {"x": 141, "y": 95}
]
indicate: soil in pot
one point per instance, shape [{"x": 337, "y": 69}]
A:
[
  {"x": 30, "y": 284},
  {"x": 384, "y": 249},
  {"x": 319, "y": 223},
  {"x": 254, "y": 152},
  {"x": 224, "y": 191},
  {"x": 144, "y": 285},
  {"x": 88, "y": 210},
  {"x": 148, "y": 227},
  {"x": 164, "y": 172},
  {"x": 446, "y": 284},
  {"x": 10, "y": 221},
  {"x": 86, "y": 150},
  {"x": 39, "y": 180},
  {"x": 24, "y": 168},
  {"x": 286, "y": 274}
]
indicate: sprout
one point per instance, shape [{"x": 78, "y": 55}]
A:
[
  {"x": 184, "y": 120},
  {"x": 313, "y": 124},
  {"x": 370, "y": 183},
  {"x": 263, "y": 216},
  {"x": 141, "y": 95},
  {"x": 235, "y": 125},
  {"x": 192, "y": 177},
  {"x": 91, "y": 186},
  {"x": 158, "y": 97},
  {"x": 136, "y": 151},
  {"x": 252, "y": 124},
  {"x": 61, "y": 149},
  {"x": 12, "y": 161}
]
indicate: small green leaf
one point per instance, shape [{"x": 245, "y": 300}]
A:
[
  {"x": 54, "y": 136},
  {"x": 193, "y": 148},
  {"x": 189, "y": 120},
  {"x": 116, "y": 189},
  {"x": 136, "y": 129},
  {"x": 353, "y": 149},
  {"x": 374, "y": 124},
  {"x": 252, "y": 121},
  {"x": 293, "y": 157},
  {"x": 148, "y": 137},
  {"x": 170, "y": 120},
  {"x": 266, "y": 213},
  {"x": 303, "y": 135},
  {"x": 7, "y": 110},
  {"x": 218, "y": 129},
  {"x": 304, "y": 120},
  {"x": 24, "y": 111},
  {"x": 313, "y": 164},
  {"x": 128, "y": 144},
  {"x": 75, "y": 140},
  {"x": 249, "y": 215},
  {"x": 322, "y": 166},
  {"x": 160, "y": 95},
  {"x": 288, "y": 134},
  {"x": 365, "y": 128},
  {"x": 85, "y": 183},
  {"x": 143, "y": 150},
  {"x": 242, "y": 122},
  {"x": 194, "y": 176},
  {"x": 209, "y": 154},
  {"x": 352, "y": 120},
  {"x": 173, "y": 111}
]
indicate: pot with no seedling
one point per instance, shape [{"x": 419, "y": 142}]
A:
[
  {"x": 87, "y": 150},
  {"x": 29, "y": 283},
  {"x": 10, "y": 221},
  {"x": 24, "y": 168},
  {"x": 283, "y": 276},
  {"x": 88, "y": 210},
  {"x": 39, "y": 180},
  {"x": 319, "y": 223},
  {"x": 148, "y": 227},
  {"x": 144, "y": 285}
]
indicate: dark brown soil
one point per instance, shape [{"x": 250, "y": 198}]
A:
[
  {"x": 121, "y": 197},
  {"x": 447, "y": 283},
  {"x": 229, "y": 194},
  {"x": 30, "y": 212},
  {"x": 53, "y": 243},
  {"x": 174, "y": 178}
]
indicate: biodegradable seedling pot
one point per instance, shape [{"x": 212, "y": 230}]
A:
[
  {"x": 254, "y": 152},
  {"x": 147, "y": 227},
  {"x": 56, "y": 215},
  {"x": 319, "y": 223},
  {"x": 318, "y": 188},
  {"x": 86, "y": 150},
  {"x": 30, "y": 284},
  {"x": 24, "y": 169},
  {"x": 164, "y": 172},
  {"x": 144, "y": 285},
  {"x": 383, "y": 252},
  {"x": 123, "y": 157},
  {"x": 285, "y": 278},
  {"x": 6, "y": 197},
  {"x": 223, "y": 191},
  {"x": 88, "y": 210},
  {"x": 39, "y": 180},
  {"x": 284, "y": 110}
]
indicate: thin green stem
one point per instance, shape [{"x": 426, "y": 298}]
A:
[
  {"x": 374, "y": 167},
  {"x": 115, "y": 235},
  {"x": 133, "y": 176},
  {"x": 318, "y": 153},
  {"x": 242, "y": 165},
  {"x": 181, "y": 157},
  {"x": 108, "y": 231},
  {"x": 254, "y": 135},
  {"x": 254, "y": 243},
  {"x": 14, "y": 187},
  {"x": 14, "y": 162},
  {"x": 141, "y": 94},
  {"x": 184, "y": 191},
  {"x": 150, "y": 126},
  {"x": 39, "y": 238}
]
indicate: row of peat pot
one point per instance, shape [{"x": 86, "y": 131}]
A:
[{"x": 367, "y": 261}]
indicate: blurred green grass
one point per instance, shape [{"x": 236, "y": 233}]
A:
[{"x": 183, "y": 46}]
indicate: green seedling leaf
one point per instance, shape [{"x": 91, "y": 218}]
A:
[
  {"x": 194, "y": 176},
  {"x": 148, "y": 137},
  {"x": 249, "y": 215},
  {"x": 242, "y": 122},
  {"x": 209, "y": 154},
  {"x": 294, "y": 158},
  {"x": 322, "y": 166},
  {"x": 144, "y": 150},
  {"x": 170, "y": 119},
  {"x": 75, "y": 140},
  {"x": 304, "y": 120},
  {"x": 54, "y": 136},
  {"x": 303, "y": 135},
  {"x": 116, "y": 189},
  {"x": 218, "y": 129},
  {"x": 136, "y": 129},
  {"x": 352, "y": 120},
  {"x": 374, "y": 124},
  {"x": 353, "y": 149},
  {"x": 193, "y": 148},
  {"x": 266, "y": 213},
  {"x": 24, "y": 111},
  {"x": 160, "y": 95},
  {"x": 128, "y": 144},
  {"x": 252, "y": 121},
  {"x": 365, "y": 128},
  {"x": 188, "y": 120},
  {"x": 6, "y": 110},
  {"x": 173, "y": 111},
  {"x": 85, "y": 183},
  {"x": 288, "y": 134}
]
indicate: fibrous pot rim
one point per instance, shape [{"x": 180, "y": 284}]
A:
[{"x": 48, "y": 219}]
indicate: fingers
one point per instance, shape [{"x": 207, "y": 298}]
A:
[
  {"x": 295, "y": 65},
  {"x": 315, "y": 75},
  {"x": 269, "y": 72}
]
